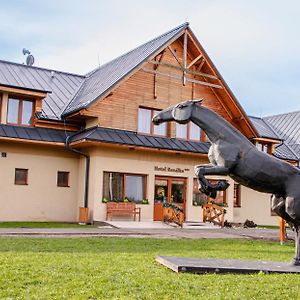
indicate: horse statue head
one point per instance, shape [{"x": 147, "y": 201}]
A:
[{"x": 180, "y": 112}]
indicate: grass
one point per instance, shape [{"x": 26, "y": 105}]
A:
[
  {"x": 41, "y": 225},
  {"x": 125, "y": 268},
  {"x": 268, "y": 226}
]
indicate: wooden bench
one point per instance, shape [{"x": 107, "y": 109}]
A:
[{"x": 120, "y": 208}]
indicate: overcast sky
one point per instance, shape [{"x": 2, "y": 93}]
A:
[{"x": 254, "y": 44}]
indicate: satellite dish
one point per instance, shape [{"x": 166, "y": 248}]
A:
[
  {"x": 25, "y": 51},
  {"x": 29, "y": 60}
]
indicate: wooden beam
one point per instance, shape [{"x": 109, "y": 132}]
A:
[
  {"x": 184, "y": 57},
  {"x": 155, "y": 76},
  {"x": 180, "y": 78},
  {"x": 194, "y": 61},
  {"x": 201, "y": 65},
  {"x": 221, "y": 102},
  {"x": 24, "y": 92},
  {"x": 174, "y": 54},
  {"x": 193, "y": 90},
  {"x": 182, "y": 69}
]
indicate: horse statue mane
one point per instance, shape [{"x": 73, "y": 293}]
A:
[{"x": 232, "y": 154}]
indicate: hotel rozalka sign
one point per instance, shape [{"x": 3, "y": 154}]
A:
[{"x": 170, "y": 169}]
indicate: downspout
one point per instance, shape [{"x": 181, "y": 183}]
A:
[{"x": 87, "y": 168}]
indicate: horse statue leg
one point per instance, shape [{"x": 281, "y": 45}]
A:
[
  {"x": 293, "y": 210},
  {"x": 205, "y": 186}
]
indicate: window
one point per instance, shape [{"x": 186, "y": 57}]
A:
[
  {"x": 189, "y": 131},
  {"x": 145, "y": 124},
  {"x": 195, "y": 132},
  {"x": 200, "y": 198},
  {"x": 118, "y": 186},
  {"x": 237, "y": 195},
  {"x": 181, "y": 131},
  {"x": 21, "y": 176},
  {"x": 19, "y": 112},
  {"x": 264, "y": 147},
  {"x": 63, "y": 179}
]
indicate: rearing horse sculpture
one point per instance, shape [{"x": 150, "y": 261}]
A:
[{"x": 232, "y": 154}]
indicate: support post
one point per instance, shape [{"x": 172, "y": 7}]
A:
[
  {"x": 184, "y": 57},
  {"x": 282, "y": 231}
]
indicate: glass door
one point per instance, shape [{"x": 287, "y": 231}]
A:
[
  {"x": 168, "y": 189},
  {"x": 178, "y": 192}
]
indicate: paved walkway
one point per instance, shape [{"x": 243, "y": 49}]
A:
[{"x": 141, "y": 230}]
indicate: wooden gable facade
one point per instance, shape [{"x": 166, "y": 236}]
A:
[{"x": 180, "y": 71}]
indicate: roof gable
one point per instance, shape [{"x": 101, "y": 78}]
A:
[
  {"x": 107, "y": 76},
  {"x": 104, "y": 79}
]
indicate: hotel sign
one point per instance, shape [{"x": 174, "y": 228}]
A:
[{"x": 170, "y": 169}]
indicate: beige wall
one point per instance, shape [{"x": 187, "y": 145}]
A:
[
  {"x": 41, "y": 199},
  {"x": 255, "y": 206},
  {"x": 123, "y": 160}
]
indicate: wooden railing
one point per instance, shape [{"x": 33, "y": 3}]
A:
[
  {"x": 214, "y": 213},
  {"x": 173, "y": 214}
]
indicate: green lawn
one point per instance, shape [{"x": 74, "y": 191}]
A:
[
  {"x": 125, "y": 268},
  {"x": 41, "y": 225}
]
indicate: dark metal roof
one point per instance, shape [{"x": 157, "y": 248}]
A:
[
  {"x": 117, "y": 136},
  {"x": 263, "y": 128},
  {"x": 61, "y": 85},
  {"x": 33, "y": 133},
  {"x": 105, "y": 77},
  {"x": 288, "y": 128},
  {"x": 266, "y": 129},
  {"x": 283, "y": 151}
]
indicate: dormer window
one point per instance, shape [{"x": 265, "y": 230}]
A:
[{"x": 19, "y": 112}]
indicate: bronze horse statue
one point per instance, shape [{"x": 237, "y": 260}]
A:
[{"x": 232, "y": 154}]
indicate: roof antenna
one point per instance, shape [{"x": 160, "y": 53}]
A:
[
  {"x": 29, "y": 58},
  {"x": 98, "y": 60}
]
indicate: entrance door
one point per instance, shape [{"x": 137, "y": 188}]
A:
[{"x": 168, "y": 189}]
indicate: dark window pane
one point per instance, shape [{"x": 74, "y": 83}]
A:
[
  {"x": 63, "y": 179},
  {"x": 12, "y": 111},
  {"x": 27, "y": 113},
  {"x": 21, "y": 176},
  {"x": 134, "y": 188},
  {"x": 113, "y": 186},
  {"x": 198, "y": 197},
  {"x": 177, "y": 191},
  {"x": 161, "y": 191},
  {"x": 237, "y": 195}
]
